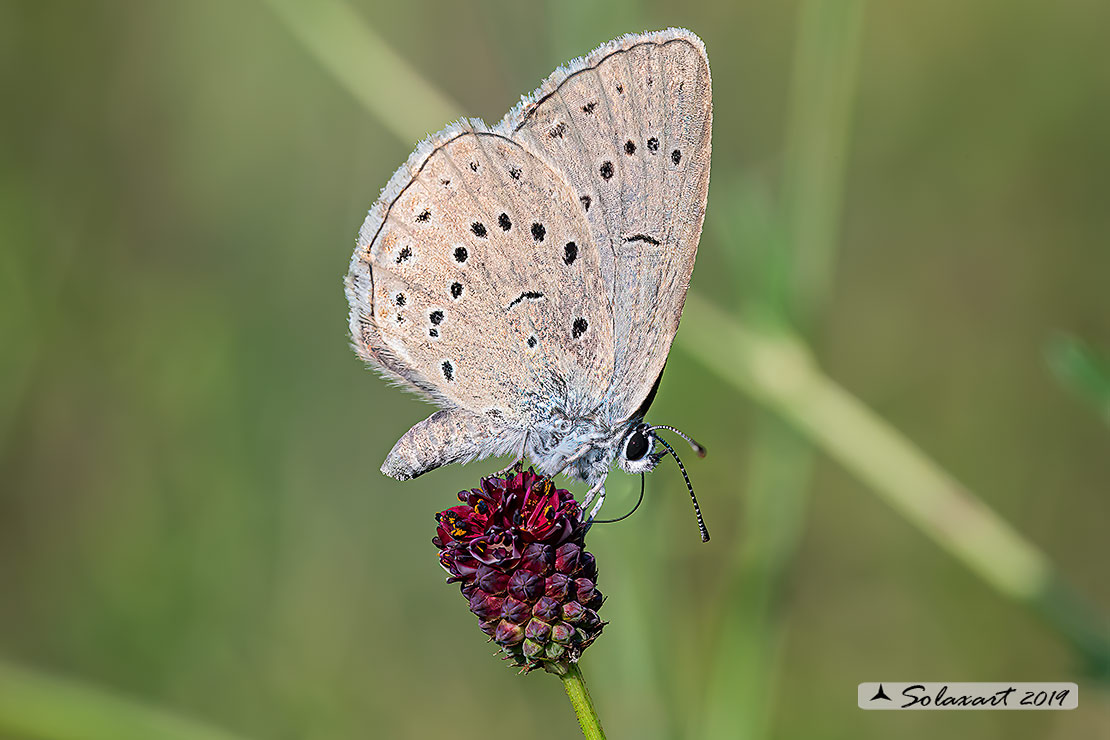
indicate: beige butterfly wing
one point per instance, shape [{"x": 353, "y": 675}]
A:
[
  {"x": 629, "y": 126},
  {"x": 476, "y": 281}
]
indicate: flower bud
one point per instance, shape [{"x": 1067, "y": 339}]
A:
[{"x": 515, "y": 546}]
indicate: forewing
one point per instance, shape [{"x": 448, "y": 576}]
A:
[
  {"x": 629, "y": 128},
  {"x": 477, "y": 280}
]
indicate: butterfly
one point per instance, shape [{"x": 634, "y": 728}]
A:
[{"x": 529, "y": 277}]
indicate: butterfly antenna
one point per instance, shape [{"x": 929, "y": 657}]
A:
[
  {"x": 693, "y": 445},
  {"x": 637, "y": 506},
  {"x": 693, "y": 498}
]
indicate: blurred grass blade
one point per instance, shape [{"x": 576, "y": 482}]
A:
[
  {"x": 749, "y": 634},
  {"x": 798, "y": 255},
  {"x": 381, "y": 80},
  {"x": 1082, "y": 370},
  {"x": 823, "y": 91},
  {"x": 33, "y": 704},
  {"x": 777, "y": 370}
]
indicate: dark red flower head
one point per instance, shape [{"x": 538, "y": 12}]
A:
[{"x": 516, "y": 546}]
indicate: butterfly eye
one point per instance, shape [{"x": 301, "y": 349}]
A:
[{"x": 637, "y": 447}]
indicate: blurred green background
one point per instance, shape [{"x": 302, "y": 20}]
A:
[{"x": 191, "y": 514}]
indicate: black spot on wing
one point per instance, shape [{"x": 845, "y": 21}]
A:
[
  {"x": 570, "y": 253},
  {"x": 530, "y": 295}
]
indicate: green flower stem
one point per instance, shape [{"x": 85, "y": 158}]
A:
[
  {"x": 583, "y": 706},
  {"x": 34, "y": 704}
]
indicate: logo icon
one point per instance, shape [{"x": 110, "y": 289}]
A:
[{"x": 880, "y": 694}]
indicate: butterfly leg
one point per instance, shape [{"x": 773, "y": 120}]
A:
[
  {"x": 567, "y": 462},
  {"x": 596, "y": 491},
  {"x": 514, "y": 467},
  {"x": 597, "y": 505},
  {"x": 518, "y": 464}
]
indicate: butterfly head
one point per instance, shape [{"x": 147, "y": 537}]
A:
[
  {"x": 637, "y": 455},
  {"x": 637, "y": 450}
]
